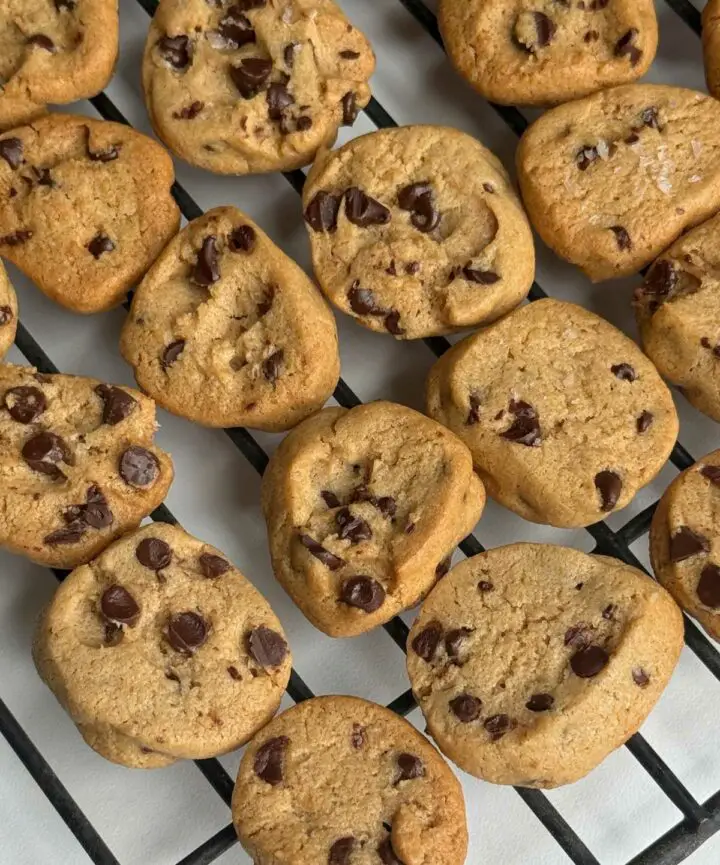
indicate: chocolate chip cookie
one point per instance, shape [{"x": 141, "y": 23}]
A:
[
  {"x": 78, "y": 466},
  {"x": 121, "y": 749},
  {"x": 53, "y": 51},
  {"x": 85, "y": 207},
  {"x": 612, "y": 180},
  {"x": 531, "y": 663},
  {"x": 685, "y": 541},
  {"x": 8, "y": 312},
  {"x": 540, "y": 52},
  {"x": 253, "y": 85},
  {"x": 339, "y": 781},
  {"x": 226, "y": 330},
  {"x": 678, "y": 314},
  {"x": 363, "y": 507},
  {"x": 417, "y": 231},
  {"x": 711, "y": 45},
  {"x": 169, "y": 625},
  {"x": 565, "y": 417}
]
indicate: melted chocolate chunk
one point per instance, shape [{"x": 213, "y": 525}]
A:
[
  {"x": 94, "y": 512},
  {"x": 289, "y": 52},
  {"x": 351, "y": 527},
  {"x": 609, "y": 485},
  {"x": 341, "y": 851},
  {"x": 242, "y": 239},
  {"x": 533, "y": 30},
  {"x": 466, "y": 708},
  {"x": 69, "y": 534},
  {"x": 485, "y": 586},
  {"x": 189, "y": 112},
  {"x": 44, "y": 451},
  {"x": 497, "y": 726},
  {"x": 622, "y": 237},
  {"x": 426, "y": 642},
  {"x": 644, "y": 422},
  {"x": 117, "y": 403},
  {"x": 6, "y": 315},
  {"x": 474, "y": 412},
  {"x": 364, "y": 211},
  {"x": 481, "y": 277},
  {"x": 269, "y": 763},
  {"x": 358, "y": 737},
  {"x": 708, "y": 589},
  {"x": 362, "y": 592},
  {"x": 119, "y": 607},
  {"x": 322, "y": 212},
  {"x": 625, "y": 46},
  {"x": 585, "y": 157},
  {"x": 392, "y": 323},
  {"x": 409, "y": 768},
  {"x": 153, "y": 553},
  {"x": 16, "y": 238},
  {"x": 363, "y": 302},
  {"x": 236, "y": 30},
  {"x": 578, "y": 635},
  {"x": 172, "y": 353},
  {"x": 278, "y": 99},
  {"x": 525, "y": 429},
  {"x": 251, "y": 76},
  {"x": 712, "y": 473},
  {"x": 623, "y": 371},
  {"x": 348, "y": 54},
  {"x": 540, "y": 702},
  {"x": 686, "y": 543},
  {"x": 330, "y": 560},
  {"x": 99, "y": 245},
  {"x": 330, "y": 499},
  {"x": 42, "y": 41},
  {"x": 108, "y": 154},
  {"x": 418, "y": 200},
  {"x": 443, "y": 567},
  {"x": 589, "y": 661},
  {"x": 660, "y": 285},
  {"x": 139, "y": 467},
  {"x": 266, "y": 646},
  {"x": 176, "y": 51},
  {"x": 11, "y": 150},
  {"x": 234, "y": 673},
  {"x": 207, "y": 266},
  {"x": 274, "y": 366},
  {"x": 640, "y": 677},
  {"x": 24, "y": 404},
  {"x": 350, "y": 108},
  {"x": 455, "y": 640},
  {"x": 186, "y": 632},
  {"x": 213, "y": 566},
  {"x": 387, "y": 854}
]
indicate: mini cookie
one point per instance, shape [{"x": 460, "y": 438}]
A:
[
  {"x": 166, "y": 621},
  {"x": 611, "y": 181},
  {"x": 123, "y": 750},
  {"x": 678, "y": 314},
  {"x": 711, "y": 45},
  {"x": 251, "y": 86},
  {"x": 8, "y": 312},
  {"x": 339, "y": 781},
  {"x": 54, "y": 51},
  {"x": 85, "y": 207},
  {"x": 226, "y": 330},
  {"x": 531, "y": 663},
  {"x": 565, "y": 417},
  {"x": 685, "y": 541},
  {"x": 78, "y": 466},
  {"x": 363, "y": 507},
  {"x": 539, "y": 52},
  {"x": 417, "y": 231}
]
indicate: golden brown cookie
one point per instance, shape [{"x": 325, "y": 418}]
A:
[
  {"x": 711, "y": 45},
  {"x": 8, "y": 312}
]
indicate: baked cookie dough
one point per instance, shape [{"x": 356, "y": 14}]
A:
[
  {"x": 53, "y": 51},
  {"x": 253, "y": 85},
  {"x": 685, "y": 541},
  {"x": 678, "y": 314},
  {"x": 362, "y": 508},
  {"x": 540, "y": 52},
  {"x": 78, "y": 466},
  {"x": 340, "y": 781},
  {"x": 85, "y": 207},
  {"x": 531, "y": 663},
  {"x": 565, "y": 417},
  {"x": 612, "y": 180},
  {"x": 417, "y": 231},
  {"x": 167, "y": 621},
  {"x": 711, "y": 45},
  {"x": 121, "y": 749},
  {"x": 226, "y": 330},
  {"x": 8, "y": 312}
]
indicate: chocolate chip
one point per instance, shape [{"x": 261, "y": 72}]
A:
[
  {"x": 247, "y": 5},
  {"x": 481, "y": 277},
  {"x": 466, "y": 708},
  {"x": 358, "y": 737},
  {"x": 363, "y": 302},
  {"x": 622, "y": 237},
  {"x": 289, "y": 52},
  {"x": 351, "y": 527},
  {"x": 533, "y": 30},
  {"x": 322, "y": 212},
  {"x": 117, "y": 403},
  {"x": 624, "y": 47},
  {"x": 273, "y": 366},
  {"x": 410, "y": 528},
  {"x": 113, "y": 635},
  {"x": 387, "y": 854},
  {"x": 330, "y": 560},
  {"x": 189, "y": 112},
  {"x": 660, "y": 284},
  {"x": 242, "y": 239},
  {"x": 712, "y": 473},
  {"x": 11, "y": 150},
  {"x": 24, "y": 404},
  {"x": 341, "y": 851},
  {"x": 6, "y": 315},
  {"x": 497, "y": 726},
  {"x": 426, "y": 642},
  {"x": 235, "y": 29},
  {"x": 213, "y": 566},
  {"x": 409, "y": 768},
  {"x": 69, "y": 534},
  {"x": 278, "y": 99},
  {"x": 364, "y": 211},
  {"x": 251, "y": 76},
  {"x": 68, "y": 5},
  {"x": 303, "y": 123},
  {"x": 454, "y": 641},
  {"x": 266, "y": 646},
  {"x": 585, "y": 157},
  {"x": 153, "y": 553},
  {"x": 109, "y": 154},
  {"x": 686, "y": 543},
  {"x": 99, "y": 245},
  {"x": 186, "y": 632},
  {"x": 330, "y": 499},
  {"x": 348, "y": 54},
  {"x": 362, "y": 592},
  {"x": 525, "y": 429},
  {"x": 578, "y": 635},
  {"x": 42, "y": 41},
  {"x": 172, "y": 353},
  {"x": 207, "y": 266},
  {"x": 95, "y": 512},
  {"x": 609, "y": 485},
  {"x": 623, "y": 371},
  {"x": 350, "y": 108},
  {"x": 175, "y": 50},
  {"x": 609, "y": 612},
  {"x": 640, "y": 677},
  {"x": 589, "y": 661},
  {"x": 44, "y": 451},
  {"x": 708, "y": 589},
  {"x": 270, "y": 759},
  {"x": 119, "y": 607},
  {"x": 649, "y": 117},
  {"x": 234, "y": 673},
  {"x": 417, "y": 198},
  {"x": 644, "y": 422},
  {"x": 139, "y": 467},
  {"x": 485, "y": 586},
  {"x": 474, "y": 412},
  {"x": 443, "y": 567},
  {"x": 540, "y": 702}
]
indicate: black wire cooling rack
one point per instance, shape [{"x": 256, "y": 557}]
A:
[{"x": 701, "y": 820}]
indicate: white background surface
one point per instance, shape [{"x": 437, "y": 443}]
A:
[{"x": 159, "y": 817}]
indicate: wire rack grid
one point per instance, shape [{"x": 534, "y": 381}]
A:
[{"x": 700, "y": 818}]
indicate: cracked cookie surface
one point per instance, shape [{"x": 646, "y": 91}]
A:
[
  {"x": 685, "y": 541},
  {"x": 564, "y": 415},
  {"x": 8, "y": 312},
  {"x": 362, "y": 508},
  {"x": 342, "y": 781},
  {"x": 417, "y": 231},
  {"x": 253, "y": 85},
  {"x": 161, "y": 640},
  {"x": 532, "y": 662},
  {"x": 612, "y": 180},
  {"x": 540, "y": 52},
  {"x": 78, "y": 466},
  {"x": 226, "y": 330},
  {"x": 53, "y": 51},
  {"x": 85, "y": 207}
]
